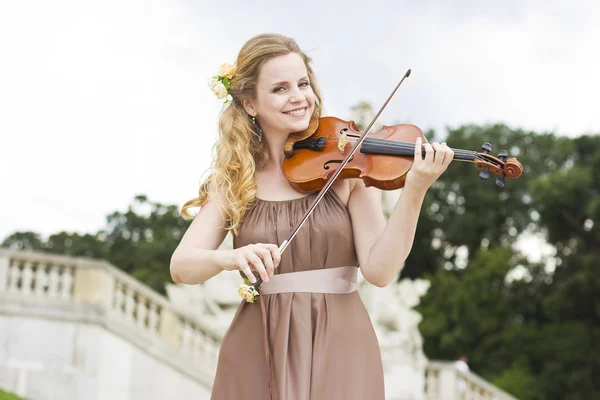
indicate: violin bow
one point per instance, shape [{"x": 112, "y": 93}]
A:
[{"x": 333, "y": 177}]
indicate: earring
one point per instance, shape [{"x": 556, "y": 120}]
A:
[{"x": 259, "y": 135}]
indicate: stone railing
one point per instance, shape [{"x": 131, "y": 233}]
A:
[
  {"x": 74, "y": 288},
  {"x": 35, "y": 284},
  {"x": 443, "y": 381}
]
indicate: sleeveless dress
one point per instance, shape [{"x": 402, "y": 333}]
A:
[{"x": 323, "y": 346}]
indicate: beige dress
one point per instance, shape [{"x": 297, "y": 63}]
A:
[{"x": 322, "y": 346}]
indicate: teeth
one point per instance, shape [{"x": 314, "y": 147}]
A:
[{"x": 296, "y": 112}]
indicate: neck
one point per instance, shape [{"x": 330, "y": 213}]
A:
[{"x": 275, "y": 142}]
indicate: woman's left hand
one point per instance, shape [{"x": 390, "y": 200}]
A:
[{"x": 427, "y": 170}]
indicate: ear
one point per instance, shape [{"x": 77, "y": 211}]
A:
[{"x": 249, "y": 107}]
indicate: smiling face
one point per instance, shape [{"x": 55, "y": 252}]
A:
[{"x": 284, "y": 100}]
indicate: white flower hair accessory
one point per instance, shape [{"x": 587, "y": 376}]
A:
[{"x": 221, "y": 82}]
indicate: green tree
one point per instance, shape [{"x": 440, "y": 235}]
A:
[
  {"x": 24, "y": 241},
  {"x": 568, "y": 202},
  {"x": 140, "y": 241},
  {"x": 461, "y": 210},
  {"x": 543, "y": 328}
]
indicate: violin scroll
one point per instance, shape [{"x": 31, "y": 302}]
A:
[{"x": 505, "y": 168}]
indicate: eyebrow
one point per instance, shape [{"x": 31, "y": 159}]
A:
[{"x": 286, "y": 82}]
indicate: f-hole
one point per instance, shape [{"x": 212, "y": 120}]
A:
[
  {"x": 345, "y": 130},
  {"x": 326, "y": 165}
]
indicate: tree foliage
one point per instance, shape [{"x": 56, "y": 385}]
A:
[
  {"x": 539, "y": 330},
  {"x": 140, "y": 241}
]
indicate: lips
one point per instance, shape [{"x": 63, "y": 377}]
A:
[{"x": 297, "y": 112}]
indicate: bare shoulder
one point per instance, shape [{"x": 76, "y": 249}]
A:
[
  {"x": 342, "y": 189},
  {"x": 355, "y": 191},
  {"x": 207, "y": 230},
  {"x": 363, "y": 196}
]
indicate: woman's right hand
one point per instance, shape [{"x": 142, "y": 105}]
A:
[{"x": 260, "y": 257}]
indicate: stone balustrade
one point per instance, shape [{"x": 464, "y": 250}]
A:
[
  {"x": 41, "y": 285},
  {"x": 76, "y": 288},
  {"x": 443, "y": 381}
]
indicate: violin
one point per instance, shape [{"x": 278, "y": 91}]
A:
[{"x": 382, "y": 160}]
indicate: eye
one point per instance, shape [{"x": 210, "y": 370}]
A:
[
  {"x": 304, "y": 84},
  {"x": 278, "y": 89}
]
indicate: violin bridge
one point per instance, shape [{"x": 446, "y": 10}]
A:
[{"x": 342, "y": 142}]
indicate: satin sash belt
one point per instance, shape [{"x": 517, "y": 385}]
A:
[
  {"x": 338, "y": 280},
  {"x": 329, "y": 280}
]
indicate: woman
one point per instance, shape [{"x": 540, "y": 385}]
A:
[{"x": 319, "y": 342}]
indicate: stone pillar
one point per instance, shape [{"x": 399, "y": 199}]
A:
[
  {"x": 4, "y": 268},
  {"x": 94, "y": 286},
  {"x": 448, "y": 384},
  {"x": 169, "y": 327}
]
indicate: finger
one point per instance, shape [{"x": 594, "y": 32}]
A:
[
  {"x": 258, "y": 266},
  {"x": 438, "y": 159},
  {"x": 267, "y": 260},
  {"x": 418, "y": 150},
  {"x": 275, "y": 253},
  {"x": 429, "y": 153},
  {"x": 245, "y": 268},
  {"x": 449, "y": 154}
]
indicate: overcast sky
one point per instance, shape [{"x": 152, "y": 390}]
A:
[{"x": 103, "y": 100}]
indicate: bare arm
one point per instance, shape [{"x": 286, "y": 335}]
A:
[
  {"x": 382, "y": 248},
  {"x": 197, "y": 258}
]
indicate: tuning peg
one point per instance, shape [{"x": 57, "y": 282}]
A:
[
  {"x": 500, "y": 181},
  {"x": 502, "y": 155},
  {"x": 485, "y": 148}
]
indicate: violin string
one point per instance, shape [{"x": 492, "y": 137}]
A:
[
  {"x": 410, "y": 152},
  {"x": 378, "y": 144},
  {"x": 391, "y": 145},
  {"x": 465, "y": 155},
  {"x": 410, "y": 147},
  {"x": 459, "y": 155},
  {"x": 397, "y": 145}
]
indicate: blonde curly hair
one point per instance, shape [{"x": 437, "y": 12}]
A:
[{"x": 238, "y": 150}]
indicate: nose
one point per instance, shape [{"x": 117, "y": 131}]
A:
[{"x": 297, "y": 95}]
